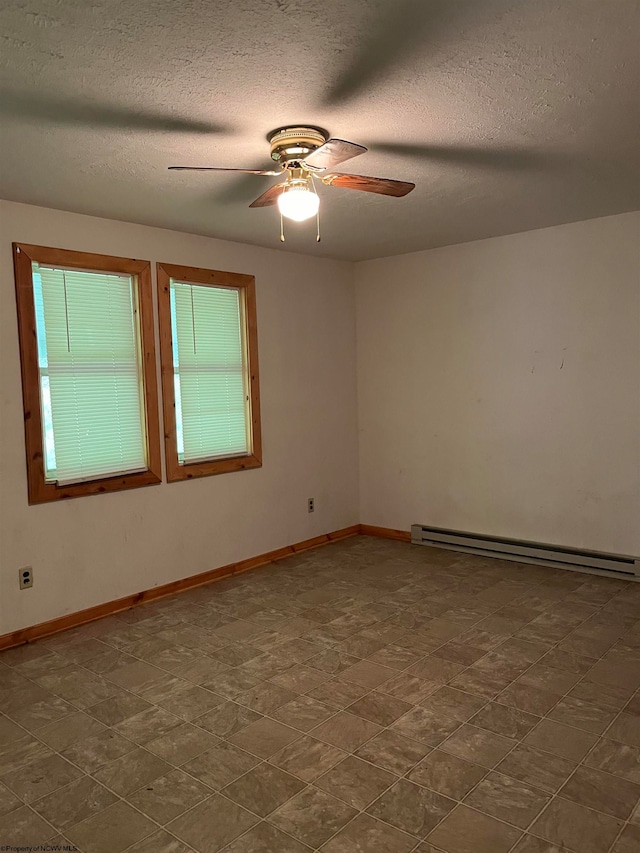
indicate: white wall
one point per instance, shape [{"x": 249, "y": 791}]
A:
[
  {"x": 93, "y": 549},
  {"x": 499, "y": 386}
]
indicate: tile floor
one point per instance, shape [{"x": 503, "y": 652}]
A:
[{"x": 365, "y": 697}]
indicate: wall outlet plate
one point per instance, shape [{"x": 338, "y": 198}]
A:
[
  {"x": 25, "y": 576},
  {"x": 311, "y": 505}
]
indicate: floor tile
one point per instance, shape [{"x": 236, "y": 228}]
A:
[
  {"x": 577, "y": 828},
  {"x": 430, "y": 727},
  {"x": 303, "y": 713},
  {"x": 118, "y": 708},
  {"x": 503, "y": 720},
  {"x": 629, "y": 841},
  {"x": 367, "y": 835},
  {"x": 159, "y": 842},
  {"x": 507, "y": 799},
  {"x": 540, "y": 769},
  {"x": 393, "y": 752},
  {"x": 307, "y": 758},
  {"x": 74, "y": 803},
  {"x": 227, "y": 719},
  {"x": 41, "y": 777},
  {"x": 130, "y": 772},
  {"x": 346, "y": 731},
  {"x": 211, "y": 825},
  {"x": 265, "y": 698},
  {"x": 169, "y": 796},
  {"x": 110, "y": 831},
  {"x": 469, "y": 831},
  {"x": 436, "y": 669},
  {"x": 20, "y": 752},
  {"x": 616, "y": 758},
  {"x": 182, "y": 744},
  {"x": 263, "y": 789},
  {"x": 601, "y": 791},
  {"x": 379, "y": 708},
  {"x": 448, "y": 775},
  {"x": 299, "y": 679},
  {"x": 337, "y": 694},
  {"x": 220, "y": 765},
  {"x": 70, "y": 730},
  {"x": 92, "y": 752},
  {"x": 368, "y": 674},
  {"x": 147, "y": 725},
  {"x": 312, "y": 816},
  {"x": 478, "y": 746},
  {"x": 531, "y": 844},
  {"x": 8, "y": 800},
  {"x": 533, "y": 700},
  {"x": 265, "y": 838},
  {"x": 453, "y": 703},
  {"x": 356, "y": 782},
  {"x": 264, "y": 737},
  {"x": 565, "y": 741},
  {"x": 21, "y": 825},
  {"x": 625, "y": 729},
  {"x": 582, "y": 715},
  {"x": 411, "y": 808}
]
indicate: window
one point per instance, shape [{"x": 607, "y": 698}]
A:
[
  {"x": 88, "y": 372},
  {"x": 209, "y": 353}
]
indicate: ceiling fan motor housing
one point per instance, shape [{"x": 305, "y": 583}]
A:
[{"x": 292, "y": 144}]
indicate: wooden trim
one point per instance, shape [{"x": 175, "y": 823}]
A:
[
  {"x": 385, "y": 532},
  {"x": 40, "y": 491},
  {"x": 211, "y": 278},
  {"x": 73, "y": 620}
]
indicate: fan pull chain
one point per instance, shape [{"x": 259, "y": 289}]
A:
[
  {"x": 281, "y": 229},
  {"x": 315, "y": 189}
]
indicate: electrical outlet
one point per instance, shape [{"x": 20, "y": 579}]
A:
[
  {"x": 25, "y": 577},
  {"x": 310, "y": 505}
]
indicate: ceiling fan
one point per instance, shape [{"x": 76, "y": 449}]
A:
[{"x": 304, "y": 154}]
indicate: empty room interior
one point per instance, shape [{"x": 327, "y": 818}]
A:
[{"x": 320, "y": 426}]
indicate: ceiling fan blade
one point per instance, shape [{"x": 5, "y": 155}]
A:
[
  {"x": 65, "y": 111},
  {"x": 384, "y": 186},
  {"x": 269, "y": 197},
  {"x": 333, "y": 151},
  {"x": 264, "y": 172}
]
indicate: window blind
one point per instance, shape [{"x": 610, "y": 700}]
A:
[
  {"x": 209, "y": 372},
  {"x": 90, "y": 377}
]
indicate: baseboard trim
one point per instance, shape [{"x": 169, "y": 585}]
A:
[
  {"x": 385, "y": 532},
  {"x": 109, "y": 608}
]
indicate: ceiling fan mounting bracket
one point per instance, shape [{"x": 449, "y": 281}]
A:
[{"x": 290, "y": 145}]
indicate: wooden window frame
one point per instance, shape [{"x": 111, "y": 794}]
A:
[
  {"x": 39, "y": 491},
  {"x": 213, "y": 278}
]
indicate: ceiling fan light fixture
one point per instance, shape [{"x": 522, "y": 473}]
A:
[{"x": 297, "y": 201}]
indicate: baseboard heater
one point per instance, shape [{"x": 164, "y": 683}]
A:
[{"x": 595, "y": 562}]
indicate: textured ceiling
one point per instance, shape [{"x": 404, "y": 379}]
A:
[{"x": 508, "y": 114}]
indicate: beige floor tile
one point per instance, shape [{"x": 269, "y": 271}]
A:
[
  {"x": 169, "y": 796},
  {"x": 346, "y": 731},
  {"x": 110, "y": 831},
  {"x": 393, "y": 752},
  {"x": 411, "y": 808},
  {"x": 303, "y": 713},
  {"x": 264, "y": 737},
  {"x": 468, "y": 831},
  {"x": 74, "y": 803},
  {"x": 507, "y": 799},
  {"x": 367, "y": 835},
  {"x": 601, "y": 791},
  {"x": 356, "y": 782},
  {"x": 447, "y": 774},
  {"x": 576, "y": 827},
  {"x": 307, "y": 758},
  {"x": 478, "y": 745},
  {"x": 211, "y": 825},
  {"x": 182, "y": 744},
  {"x": 21, "y": 825},
  {"x": 220, "y": 765},
  {"x": 312, "y": 817}
]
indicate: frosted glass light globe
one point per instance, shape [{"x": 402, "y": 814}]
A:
[{"x": 298, "y": 203}]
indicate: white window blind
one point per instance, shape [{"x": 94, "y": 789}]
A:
[
  {"x": 90, "y": 374},
  {"x": 210, "y": 378}
]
